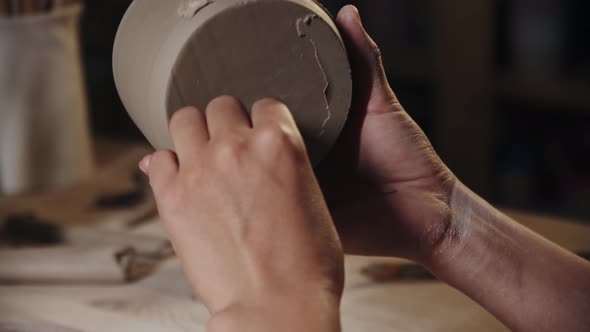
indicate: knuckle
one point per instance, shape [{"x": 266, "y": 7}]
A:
[
  {"x": 278, "y": 141},
  {"x": 274, "y": 136},
  {"x": 228, "y": 150}
]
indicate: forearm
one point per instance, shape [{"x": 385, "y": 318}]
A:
[{"x": 529, "y": 283}]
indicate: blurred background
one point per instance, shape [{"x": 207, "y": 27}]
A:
[{"x": 501, "y": 87}]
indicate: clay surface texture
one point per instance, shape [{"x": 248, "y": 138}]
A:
[{"x": 201, "y": 49}]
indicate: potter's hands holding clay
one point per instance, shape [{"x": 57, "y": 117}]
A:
[
  {"x": 386, "y": 187},
  {"x": 246, "y": 216}
]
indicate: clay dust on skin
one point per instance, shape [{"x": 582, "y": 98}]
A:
[{"x": 301, "y": 24}]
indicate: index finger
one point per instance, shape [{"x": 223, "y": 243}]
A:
[{"x": 188, "y": 128}]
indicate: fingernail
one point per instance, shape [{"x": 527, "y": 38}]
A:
[
  {"x": 356, "y": 13},
  {"x": 144, "y": 164}
]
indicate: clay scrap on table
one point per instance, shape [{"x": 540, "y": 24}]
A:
[{"x": 103, "y": 264}]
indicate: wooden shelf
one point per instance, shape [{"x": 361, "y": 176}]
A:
[{"x": 558, "y": 93}]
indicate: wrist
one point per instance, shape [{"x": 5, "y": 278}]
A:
[
  {"x": 476, "y": 237},
  {"x": 316, "y": 311},
  {"x": 465, "y": 208}
]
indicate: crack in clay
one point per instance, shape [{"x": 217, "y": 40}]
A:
[
  {"x": 326, "y": 87},
  {"x": 189, "y": 8},
  {"x": 301, "y": 23},
  {"x": 304, "y": 21}
]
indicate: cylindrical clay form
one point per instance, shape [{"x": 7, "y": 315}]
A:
[{"x": 169, "y": 54}]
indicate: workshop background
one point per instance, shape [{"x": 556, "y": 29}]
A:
[{"x": 501, "y": 87}]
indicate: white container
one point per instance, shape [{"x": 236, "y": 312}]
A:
[{"x": 44, "y": 134}]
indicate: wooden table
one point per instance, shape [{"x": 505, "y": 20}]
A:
[{"x": 164, "y": 302}]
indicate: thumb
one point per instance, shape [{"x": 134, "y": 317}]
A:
[{"x": 373, "y": 92}]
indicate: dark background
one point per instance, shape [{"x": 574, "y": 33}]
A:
[{"x": 501, "y": 87}]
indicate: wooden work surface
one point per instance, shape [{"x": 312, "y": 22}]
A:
[{"x": 164, "y": 302}]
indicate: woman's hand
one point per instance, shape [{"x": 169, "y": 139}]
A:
[
  {"x": 246, "y": 216},
  {"x": 386, "y": 187},
  {"x": 391, "y": 195}
]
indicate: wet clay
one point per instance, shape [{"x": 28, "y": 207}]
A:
[{"x": 169, "y": 54}]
